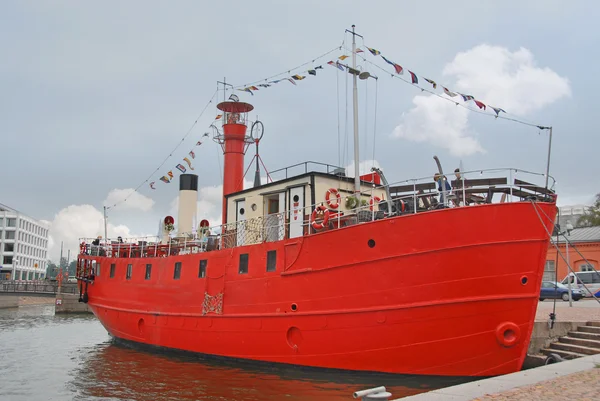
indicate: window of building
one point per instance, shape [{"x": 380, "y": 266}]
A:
[
  {"x": 148, "y": 272},
  {"x": 177, "y": 271},
  {"x": 586, "y": 268},
  {"x": 549, "y": 271},
  {"x": 11, "y": 222},
  {"x": 9, "y": 235},
  {"x": 8, "y": 260},
  {"x": 271, "y": 261},
  {"x": 243, "y": 269},
  {"x": 1, "y": 221},
  {"x": 112, "y": 270},
  {"x": 9, "y": 247},
  {"x": 202, "y": 268},
  {"x": 128, "y": 274}
]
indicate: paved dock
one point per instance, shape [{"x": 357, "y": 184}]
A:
[
  {"x": 582, "y": 311},
  {"x": 578, "y": 379}
]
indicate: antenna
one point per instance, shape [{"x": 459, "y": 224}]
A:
[{"x": 225, "y": 84}]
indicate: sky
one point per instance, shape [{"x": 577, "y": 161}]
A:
[{"x": 95, "y": 96}]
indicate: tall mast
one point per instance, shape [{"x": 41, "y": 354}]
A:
[{"x": 355, "y": 104}]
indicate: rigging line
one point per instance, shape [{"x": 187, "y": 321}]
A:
[
  {"x": 453, "y": 101},
  {"x": 569, "y": 241},
  {"x": 375, "y": 120},
  {"x": 366, "y": 137},
  {"x": 170, "y": 154},
  {"x": 337, "y": 80},
  {"x": 534, "y": 203},
  {"x": 290, "y": 69}
]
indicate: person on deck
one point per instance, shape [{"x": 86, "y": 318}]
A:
[{"x": 446, "y": 185}]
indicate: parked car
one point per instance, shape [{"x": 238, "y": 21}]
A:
[
  {"x": 554, "y": 290},
  {"x": 581, "y": 280}
]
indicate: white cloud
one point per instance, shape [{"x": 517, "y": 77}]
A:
[
  {"x": 508, "y": 80},
  {"x": 440, "y": 123},
  {"x": 364, "y": 167},
  {"x": 80, "y": 221},
  {"x": 494, "y": 75},
  {"x": 135, "y": 200}
]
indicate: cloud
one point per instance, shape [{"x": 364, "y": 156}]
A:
[
  {"x": 364, "y": 167},
  {"x": 508, "y": 80},
  {"x": 78, "y": 221},
  {"x": 136, "y": 201},
  {"x": 495, "y": 76},
  {"x": 440, "y": 123}
]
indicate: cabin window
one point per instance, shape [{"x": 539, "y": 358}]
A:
[
  {"x": 243, "y": 264},
  {"x": 112, "y": 270},
  {"x": 96, "y": 268},
  {"x": 129, "y": 268},
  {"x": 148, "y": 271},
  {"x": 177, "y": 272},
  {"x": 202, "y": 268},
  {"x": 271, "y": 261},
  {"x": 273, "y": 205}
]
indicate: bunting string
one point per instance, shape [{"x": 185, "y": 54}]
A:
[
  {"x": 170, "y": 173},
  {"x": 287, "y": 75},
  {"x": 414, "y": 81}
]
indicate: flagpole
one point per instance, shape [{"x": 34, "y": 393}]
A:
[{"x": 355, "y": 106}]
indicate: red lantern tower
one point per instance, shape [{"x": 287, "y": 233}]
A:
[{"x": 234, "y": 143}]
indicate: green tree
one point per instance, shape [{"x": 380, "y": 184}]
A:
[
  {"x": 591, "y": 217},
  {"x": 51, "y": 270}
]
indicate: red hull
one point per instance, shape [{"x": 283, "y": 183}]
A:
[{"x": 446, "y": 292}]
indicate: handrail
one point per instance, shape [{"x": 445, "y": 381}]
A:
[{"x": 277, "y": 226}]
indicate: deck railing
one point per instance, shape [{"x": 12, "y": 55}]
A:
[{"x": 406, "y": 197}]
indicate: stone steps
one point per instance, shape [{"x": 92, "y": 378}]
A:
[
  {"x": 584, "y": 342},
  {"x": 582, "y": 334},
  {"x": 564, "y": 354},
  {"x": 579, "y": 349},
  {"x": 589, "y": 329}
]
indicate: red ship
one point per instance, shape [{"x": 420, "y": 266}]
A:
[{"x": 329, "y": 271}]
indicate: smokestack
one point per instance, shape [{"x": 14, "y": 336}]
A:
[{"x": 188, "y": 197}]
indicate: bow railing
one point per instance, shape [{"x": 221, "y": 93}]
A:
[{"x": 405, "y": 197}]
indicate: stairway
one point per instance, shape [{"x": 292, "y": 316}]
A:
[{"x": 582, "y": 342}]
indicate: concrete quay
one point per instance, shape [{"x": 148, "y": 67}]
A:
[
  {"x": 578, "y": 379},
  {"x": 69, "y": 303}
]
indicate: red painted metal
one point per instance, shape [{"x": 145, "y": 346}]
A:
[
  {"x": 434, "y": 293},
  {"x": 233, "y": 166}
]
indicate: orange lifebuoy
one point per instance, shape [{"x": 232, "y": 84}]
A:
[
  {"x": 313, "y": 217},
  {"x": 373, "y": 200},
  {"x": 337, "y": 197}
]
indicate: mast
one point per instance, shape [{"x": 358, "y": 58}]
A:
[{"x": 355, "y": 106}]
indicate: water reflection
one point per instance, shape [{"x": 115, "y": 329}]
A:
[
  {"x": 115, "y": 372},
  {"x": 65, "y": 357}
]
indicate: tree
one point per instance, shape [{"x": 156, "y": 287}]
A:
[
  {"x": 591, "y": 217},
  {"x": 51, "y": 270}
]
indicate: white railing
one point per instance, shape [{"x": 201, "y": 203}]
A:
[{"x": 406, "y": 197}]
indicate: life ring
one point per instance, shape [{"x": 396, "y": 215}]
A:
[
  {"x": 372, "y": 201},
  {"x": 338, "y": 198},
  {"x": 313, "y": 217}
]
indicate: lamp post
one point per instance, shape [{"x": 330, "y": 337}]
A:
[
  {"x": 568, "y": 232},
  {"x": 15, "y": 261}
]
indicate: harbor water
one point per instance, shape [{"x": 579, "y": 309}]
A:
[{"x": 71, "y": 357}]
